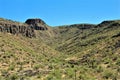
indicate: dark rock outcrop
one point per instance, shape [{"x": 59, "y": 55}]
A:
[
  {"x": 85, "y": 26},
  {"x": 79, "y": 26},
  {"x": 114, "y": 25},
  {"x": 35, "y": 21},
  {"x": 104, "y": 23},
  {"x": 109, "y": 24},
  {"x": 16, "y": 28},
  {"x": 13, "y": 29},
  {"x": 37, "y": 24}
]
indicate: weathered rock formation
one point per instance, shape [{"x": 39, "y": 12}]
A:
[
  {"x": 26, "y": 29},
  {"x": 37, "y": 24},
  {"x": 16, "y": 28},
  {"x": 109, "y": 23}
]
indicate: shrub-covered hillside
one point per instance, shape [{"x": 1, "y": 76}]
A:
[{"x": 71, "y": 52}]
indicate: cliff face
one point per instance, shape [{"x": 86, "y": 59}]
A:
[
  {"x": 37, "y": 24},
  {"x": 26, "y": 29},
  {"x": 16, "y": 28},
  {"x": 21, "y": 29}
]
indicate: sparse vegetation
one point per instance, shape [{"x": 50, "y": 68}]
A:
[{"x": 62, "y": 53}]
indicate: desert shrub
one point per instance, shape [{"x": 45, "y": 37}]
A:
[
  {"x": 36, "y": 66},
  {"x": 118, "y": 62},
  {"x": 4, "y": 72},
  {"x": 70, "y": 73},
  {"x": 39, "y": 75},
  {"x": 50, "y": 77},
  {"x": 11, "y": 67},
  {"x": 99, "y": 69},
  {"x": 51, "y": 66},
  {"x": 13, "y": 77},
  {"x": 118, "y": 70},
  {"x": 57, "y": 74},
  {"x": 85, "y": 77},
  {"x": 109, "y": 75}
]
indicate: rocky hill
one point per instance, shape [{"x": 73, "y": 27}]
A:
[
  {"x": 37, "y": 24},
  {"x": 26, "y": 29},
  {"x": 77, "y": 51}
]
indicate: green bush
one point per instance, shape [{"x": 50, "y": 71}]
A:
[
  {"x": 12, "y": 67},
  {"x": 118, "y": 62},
  {"x": 37, "y": 66},
  {"x": 13, "y": 77},
  {"x": 99, "y": 69},
  {"x": 109, "y": 75}
]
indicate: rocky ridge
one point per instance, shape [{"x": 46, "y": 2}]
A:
[
  {"x": 37, "y": 24},
  {"x": 26, "y": 29}
]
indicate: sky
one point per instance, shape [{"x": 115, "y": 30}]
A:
[{"x": 61, "y": 12}]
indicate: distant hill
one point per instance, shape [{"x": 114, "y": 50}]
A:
[{"x": 36, "y": 51}]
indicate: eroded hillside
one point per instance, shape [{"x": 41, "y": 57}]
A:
[{"x": 71, "y": 52}]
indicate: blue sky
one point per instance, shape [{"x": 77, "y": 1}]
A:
[{"x": 61, "y": 12}]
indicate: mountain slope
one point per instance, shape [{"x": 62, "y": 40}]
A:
[
  {"x": 19, "y": 55},
  {"x": 95, "y": 47},
  {"x": 78, "y": 51}
]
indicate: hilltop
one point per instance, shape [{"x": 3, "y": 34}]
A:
[{"x": 36, "y": 51}]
